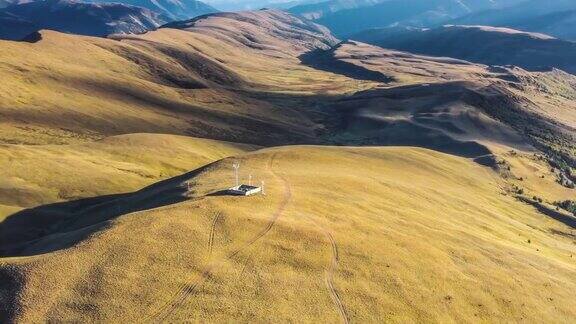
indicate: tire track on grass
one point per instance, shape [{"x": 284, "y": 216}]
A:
[
  {"x": 187, "y": 289},
  {"x": 183, "y": 288},
  {"x": 212, "y": 232},
  {"x": 329, "y": 273}
]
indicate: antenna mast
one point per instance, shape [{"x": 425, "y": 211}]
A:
[{"x": 236, "y": 166}]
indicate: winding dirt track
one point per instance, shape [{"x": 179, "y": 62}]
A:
[
  {"x": 185, "y": 290},
  {"x": 330, "y": 280},
  {"x": 329, "y": 274},
  {"x": 212, "y": 232}
]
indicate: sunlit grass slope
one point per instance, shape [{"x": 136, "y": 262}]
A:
[
  {"x": 195, "y": 81},
  {"x": 40, "y": 174},
  {"x": 359, "y": 234}
]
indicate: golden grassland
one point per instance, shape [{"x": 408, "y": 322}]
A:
[
  {"x": 53, "y": 109},
  {"x": 411, "y": 235},
  {"x": 168, "y": 81},
  {"x": 530, "y": 171},
  {"x": 41, "y": 174},
  {"x": 344, "y": 234}
]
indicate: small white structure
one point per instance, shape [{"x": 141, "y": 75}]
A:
[{"x": 244, "y": 190}]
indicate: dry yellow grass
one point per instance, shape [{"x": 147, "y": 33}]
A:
[
  {"x": 364, "y": 234},
  {"x": 358, "y": 234},
  {"x": 42, "y": 174},
  {"x": 531, "y": 172},
  {"x": 5, "y": 211},
  {"x": 167, "y": 81}
]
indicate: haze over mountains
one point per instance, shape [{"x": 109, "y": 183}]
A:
[
  {"x": 345, "y": 18},
  {"x": 76, "y": 17},
  {"x": 171, "y": 9},
  {"x": 556, "y": 18},
  {"x": 94, "y": 18},
  {"x": 492, "y": 45},
  {"x": 398, "y": 186}
]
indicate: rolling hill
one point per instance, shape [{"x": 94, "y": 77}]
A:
[
  {"x": 152, "y": 84},
  {"x": 155, "y": 83},
  {"x": 444, "y": 236},
  {"x": 481, "y": 44},
  {"x": 398, "y": 187},
  {"x": 427, "y": 98},
  {"x": 39, "y": 174}
]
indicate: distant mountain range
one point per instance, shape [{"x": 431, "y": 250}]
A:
[
  {"x": 556, "y": 18},
  {"x": 347, "y": 17},
  {"x": 172, "y": 10},
  {"x": 18, "y": 19},
  {"x": 15, "y": 27},
  {"x": 236, "y": 5},
  {"x": 481, "y": 44},
  {"x": 322, "y": 9}
]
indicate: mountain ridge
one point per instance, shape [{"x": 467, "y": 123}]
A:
[
  {"x": 77, "y": 17},
  {"x": 94, "y": 17},
  {"x": 419, "y": 13},
  {"x": 172, "y": 10},
  {"x": 555, "y": 18},
  {"x": 491, "y": 45}
]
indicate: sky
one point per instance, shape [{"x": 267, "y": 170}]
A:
[{"x": 248, "y": 4}]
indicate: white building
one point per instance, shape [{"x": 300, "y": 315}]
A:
[{"x": 244, "y": 190}]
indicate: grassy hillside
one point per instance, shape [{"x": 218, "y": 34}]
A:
[
  {"x": 102, "y": 219},
  {"x": 452, "y": 105},
  {"x": 413, "y": 235},
  {"x": 42, "y": 174},
  {"x": 184, "y": 82}
]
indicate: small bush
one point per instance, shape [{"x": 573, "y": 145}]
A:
[{"x": 568, "y": 205}]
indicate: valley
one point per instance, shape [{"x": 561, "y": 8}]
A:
[{"x": 399, "y": 187}]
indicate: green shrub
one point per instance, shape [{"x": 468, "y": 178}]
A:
[{"x": 568, "y": 205}]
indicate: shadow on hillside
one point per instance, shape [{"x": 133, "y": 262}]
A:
[
  {"x": 57, "y": 226},
  {"x": 344, "y": 127},
  {"x": 33, "y": 37},
  {"x": 11, "y": 280},
  {"x": 324, "y": 60},
  {"x": 205, "y": 121},
  {"x": 367, "y": 132},
  {"x": 560, "y": 217},
  {"x": 414, "y": 115}
]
